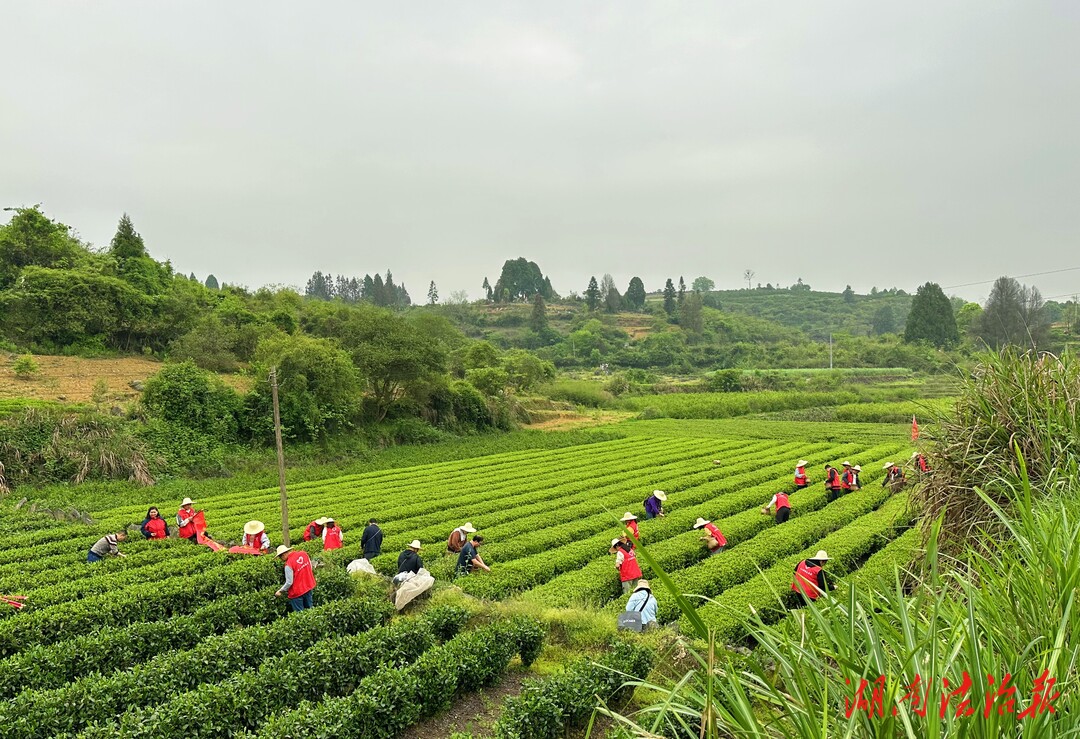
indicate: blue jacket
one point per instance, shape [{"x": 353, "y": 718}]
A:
[{"x": 637, "y": 598}]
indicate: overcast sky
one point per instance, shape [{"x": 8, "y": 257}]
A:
[{"x": 870, "y": 143}]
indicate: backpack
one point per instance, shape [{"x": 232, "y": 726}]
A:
[{"x": 631, "y": 620}]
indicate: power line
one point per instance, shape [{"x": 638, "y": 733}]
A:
[{"x": 1033, "y": 274}]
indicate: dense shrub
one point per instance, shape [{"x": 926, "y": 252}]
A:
[{"x": 184, "y": 395}]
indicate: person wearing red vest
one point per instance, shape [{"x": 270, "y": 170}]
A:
[
  {"x": 810, "y": 577},
  {"x": 832, "y": 483},
  {"x": 921, "y": 465},
  {"x": 713, "y": 539},
  {"x": 783, "y": 507},
  {"x": 629, "y": 520},
  {"x": 626, "y": 563},
  {"x": 184, "y": 518},
  {"x": 299, "y": 578},
  {"x": 801, "y": 480},
  {"x": 846, "y": 478},
  {"x": 153, "y": 526},
  {"x": 255, "y": 536},
  {"x": 331, "y": 535},
  {"x": 314, "y": 529}
]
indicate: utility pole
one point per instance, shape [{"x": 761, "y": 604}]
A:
[
  {"x": 280, "y": 458},
  {"x": 830, "y": 361}
]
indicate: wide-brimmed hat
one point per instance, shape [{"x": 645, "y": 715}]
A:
[
  {"x": 187, "y": 501},
  {"x": 888, "y": 466},
  {"x": 845, "y": 463},
  {"x": 857, "y": 468},
  {"x": 321, "y": 520},
  {"x": 660, "y": 495},
  {"x": 914, "y": 454},
  {"x": 802, "y": 463},
  {"x": 253, "y": 527},
  {"x": 282, "y": 548},
  {"x": 468, "y": 528},
  {"x": 701, "y": 522},
  {"x": 642, "y": 585},
  {"x": 821, "y": 555},
  {"x": 615, "y": 541},
  {"x": 414, "y": 544},
  {"x": 328, "y": 520},
  {"x": 628, "y": 516}
]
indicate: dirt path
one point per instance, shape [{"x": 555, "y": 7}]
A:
[{"x": 475, "y": 712}]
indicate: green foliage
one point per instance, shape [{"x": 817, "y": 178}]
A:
[
  {"x": 184, "y": 395},
  {"x": 30, "y": 238},
  {"x": 488, "y": 380},
  {"x": 318, "y": 389},
  {"x": 702, "y": 285},
  {"x": 581, "y": 392},
  {"x": 931, "y": 318},
  {"x": 669, "y": 298},
  {"x": 25, "y": 367},
  {"x": 592, "y": 294},
  {"x": 635, "y": 293},
  {"x": 520, "y": 279},
  {"x": 1014, "y": 315}
]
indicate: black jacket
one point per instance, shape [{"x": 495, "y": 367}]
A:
[
  {"x": 371, "y": 541},
  {"x": 409, "y": 561}
]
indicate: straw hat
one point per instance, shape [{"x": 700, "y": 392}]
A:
[
  {"x": 187, "y": 501},
  {"x": 614, "y": 542},
  {"x": 821, "y": 555},
  {"x": 321, "y": 521},
  {"x": 801, "y": 463},
  {"x": 328, "y": 520},
  {"x": 660, "y": 495},
  {"x": 282, "y": 549},
  {"x": 468, "y": 528},
  {"x": 857, "y": 468},
  {"x": 914, "y": 454},
  {"x": 643, "y": 585},
  {"x": 628, "y": 516},
  {"x": 253, "y": 527},
  {"x": 700, "y": 522},
  {"x": 845, "y": 463},
  {"x": 414, "y": 544},
  {"x": 888, "y": 466}
]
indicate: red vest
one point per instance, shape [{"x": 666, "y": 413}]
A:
[
  {"x": 782, "y": 501},
  {"x": 185, "y": 532},
  {"x": 921, "y": 462},
  {"x": 156, "y": 527},
  {"x": 629, "y": 569},
  {"x": 255, "y": 542},
  {"x": 806, "y": 580},
  {"x": 632, "y": 525},
  {"x": 303, "y": 576},
  {"x": 800, "y": 475},
  {"x": 332, "y": 538},
  {"x": 313, "y": 529},
  {"x": 711, "y": 528},
  {"x": 831, "y": 481},
  {"x": 846, "y": 479}
]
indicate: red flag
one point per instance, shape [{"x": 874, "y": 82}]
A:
[{"x": 914, "y": 429}]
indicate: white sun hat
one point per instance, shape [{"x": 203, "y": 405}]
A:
[
  {"x": 845, "y": 463},
  {"x": 700, "y": 522},
  {"x": 857, "y": 468},
  {"x": 187, "y": 501},
  {"x": 614, "y": 542},
  {"x": 253, "y": 527},
  {"x": 628, "y": 516},
  {"x": 821, "y": 555},
  {"x": 321, "y": 520},
  {"x": 660, "y": 495},
  {"x": 468, "y": 528},
  {"x": 414, "y": 544},
  {"x": 282, "y": 549},
  {"x": 801, "y": 463},
  {"x": 914, "y": 454},
  {"x": 888, "y": 465}
]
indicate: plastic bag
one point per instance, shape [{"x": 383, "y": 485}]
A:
[
  {"x": 360, "y": 565},
  {"x": 412, "y": 588}
]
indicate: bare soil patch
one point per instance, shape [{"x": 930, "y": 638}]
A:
[
  {"x": 563, "y": 420},
  {"x": 475, "y": 712}
]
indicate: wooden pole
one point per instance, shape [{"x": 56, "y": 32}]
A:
[{"x": 280, "y": 458}]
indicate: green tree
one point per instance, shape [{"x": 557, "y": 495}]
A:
[
  {"x": 1013, "y": 314},
  {"x": 931, "y": 318},
  {"x": 489, "y": 295},
  {"x": 690, "y": 317},
  {"x": 522, "y": 279},
  {"x": 212, "y": 283},
  {"x": 884, "y": 320},
  {"x": 126, "y": 242},
  {"x": 30, "y": 238},
  {"x": 703, "y": 284},
  {"x": 682, "y": 291},
  {"x": 185, "y": 395},
  {"x": 669, "y": 298},
  {"x": 538, "y": 318},
  {"x": 967, "y": 319},
  {"x": 432, "y": 294},
  {"x": 318, "y": 385},
  {"x": 635, "y": 293},
  {"x": 25, "y": 367},
  {"x": 592, "y": 294},
  {"x": 849, "y": 295}
]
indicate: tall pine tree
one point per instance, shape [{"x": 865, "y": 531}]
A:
[
  {"x": 592, "y": 294},
  {"x": 931, "y": 318},
  {"x": 669, "y": 297}
]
